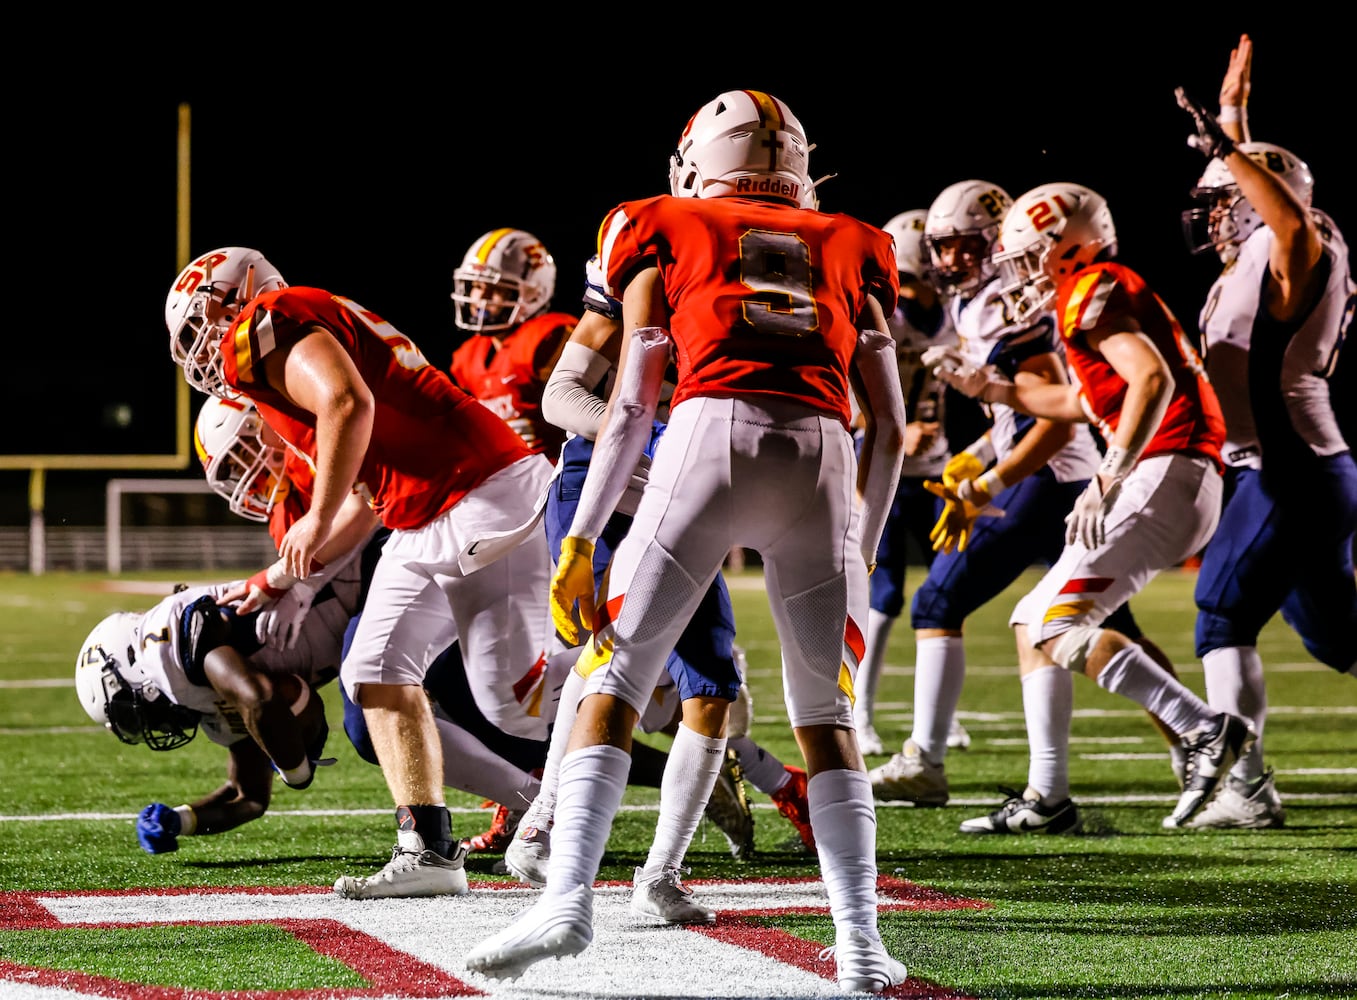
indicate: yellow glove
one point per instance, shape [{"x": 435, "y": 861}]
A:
[
  {"x": 573, "y": 582},
  {"x": 961, "y": 506},
  {"x": 960, "y": 467}
]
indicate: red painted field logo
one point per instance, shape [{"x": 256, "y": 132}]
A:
[{"x": 408, "y": 948}]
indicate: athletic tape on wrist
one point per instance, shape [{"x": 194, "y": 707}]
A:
[{"x": 188, "y": 820}]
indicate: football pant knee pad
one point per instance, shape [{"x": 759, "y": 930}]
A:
[{"x": 1071, "y": 648}]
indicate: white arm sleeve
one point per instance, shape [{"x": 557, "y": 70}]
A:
[
  {"x": 631, "y": 415},
  {"x": 875, "y": 360},
  {"x": 570, "y": 400}
]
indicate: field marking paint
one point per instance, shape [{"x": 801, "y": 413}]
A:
[{"x": 418, "y": 947}]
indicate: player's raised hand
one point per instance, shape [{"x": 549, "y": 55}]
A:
[{"x": 1235, "y": 86}]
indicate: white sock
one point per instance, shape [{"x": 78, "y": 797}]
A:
[
  {"x": 544, "y": 806},
  {"x": 1234, "y": 684},
  {"x": 844, "y": 818},
  {"x": 761, "y": 769},
  {"x": 1132, "y": 673},
  {"x": 939, "y": 671},
  {"x": 471, "y": 766},
  {"x": 689, "y": 776},
  {"x": 1048, "y": 706},
  {"x": 868, "y": 678},
  {"x": 592, "y": 781}
]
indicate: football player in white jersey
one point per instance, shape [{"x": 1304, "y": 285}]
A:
[
  {"x": 156, "y": 677},
  {"x": 1274, "y": 325},
  {"x": 1039, "y": 466},
  {"x": 1005, "y": 495},
  {"x": 920, "y": 321}
]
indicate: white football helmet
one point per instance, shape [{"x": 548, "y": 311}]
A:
[
  {"x": 505, "y": 278},
  {"x": 959, "y": 231},
  {"x": 1224, "y": 219},
  {"x": 240, "y": 465},
  {"x": 117, "y": 694},
  {"x": 205, "y": 298},
  {"x": 911, "y": 256},
  {"x": 743, "y": 142},
  {"x": 1050, "y": 233}
]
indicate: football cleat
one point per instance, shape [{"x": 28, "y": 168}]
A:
[
  {"x": 529, "y": 852},
  {"x": 413, "y": 871},
  {"x": 869, "y": 742},
  {"x": 1023, "y": 815},
  {"x": 910, "y": 777},
  {"x": 500, "y": 833},
  {"x": 663, "y": 896},
  {"x": 729, "y": 807},
  {"x": 957, "y": 737},
  {"x": 1178, "y": 762},
  {"x": 1242, "y": 805},
  {"x": 863, "y": 964},
  {"x": 1211, "y": 751},
  {"x": 553, "y": 927},
  {"x": 791, "y": 803}
]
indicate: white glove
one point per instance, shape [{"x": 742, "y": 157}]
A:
[
  {"x": 946, "y": 357},
  {"x": 279, "y": 625},
  {"x": 951, "y": 366},
  {"x": 1085, "y": 521}
]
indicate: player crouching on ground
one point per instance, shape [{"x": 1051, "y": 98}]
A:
[{"x": 158, "y": 676}]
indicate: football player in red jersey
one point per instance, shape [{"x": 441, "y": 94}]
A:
[
  {"x": 1154, "y": 501},
  {"x": 771, "y": 311},
  {"x": 458, "y": 488},
  {"x": 503, "y": 291},
  {"x": 248, "y": 465}
]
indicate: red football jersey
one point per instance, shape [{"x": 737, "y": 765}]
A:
[
  {"x": 431, "y": 442},
  {"x": 1193, "y": 423},
  {"x": 506, "y": 378},
  {"x": 765, "y": 297}
]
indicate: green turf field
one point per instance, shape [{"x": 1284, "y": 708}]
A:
[{"x": 1126, "y": 909}]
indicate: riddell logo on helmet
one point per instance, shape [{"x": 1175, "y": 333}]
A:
[{"x": 769, "y": 185}]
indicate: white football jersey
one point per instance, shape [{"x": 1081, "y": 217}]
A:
[
  {"x": 315, "y": 656},
  {"x": 1233, "y": 313},
  {"x": 923, "y": 392},
  {"x": 987, "y": 335}
]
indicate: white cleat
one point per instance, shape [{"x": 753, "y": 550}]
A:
[
  {"x": 957, "y": 737},
  {"x": 864, "y": 965},
  {"x": 412, "y": 872},
  {"x": 556, "y": 926},
  {"x": 910, "y": 777},
  {"x": 1242, "y": 805},
  {"x": 663, "y": 896},
  {"x": 869, "y": 742},
  {"x": 529, "y": 854}
]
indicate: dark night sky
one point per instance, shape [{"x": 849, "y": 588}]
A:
[{"x": 369, "y": 168}]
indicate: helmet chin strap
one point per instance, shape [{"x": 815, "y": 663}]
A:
[{"x": 247, "y": 288}]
